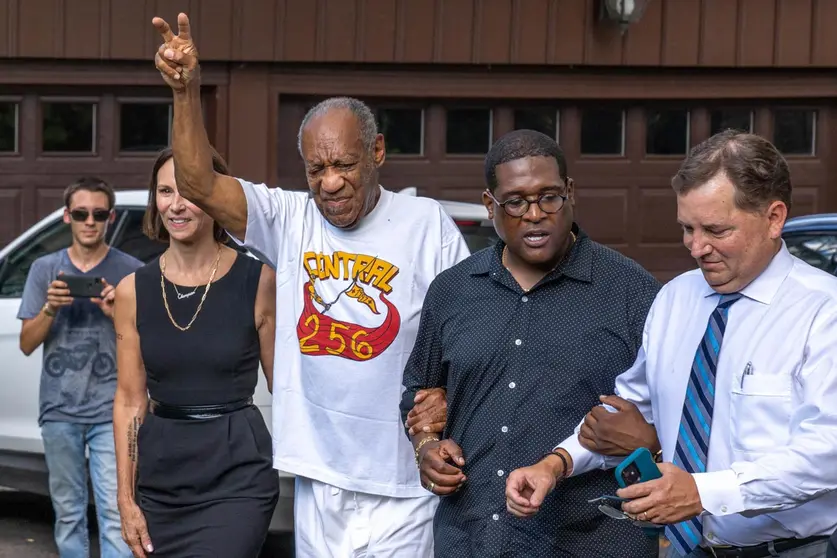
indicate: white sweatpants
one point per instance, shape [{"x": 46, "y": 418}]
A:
[{"x": 334, "y": 523}]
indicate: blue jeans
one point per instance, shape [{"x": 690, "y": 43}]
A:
[{"x": 64, "y": 449}]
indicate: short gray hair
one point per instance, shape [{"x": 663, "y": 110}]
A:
[{"x": 364, "y": 115}]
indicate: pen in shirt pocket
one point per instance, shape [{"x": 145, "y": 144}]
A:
[{"x": 748, "y": 371}]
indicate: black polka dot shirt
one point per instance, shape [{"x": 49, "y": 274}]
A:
[{"x": 521, "y": 370}]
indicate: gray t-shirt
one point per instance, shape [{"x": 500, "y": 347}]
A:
[{"x": 78, "y": 378}]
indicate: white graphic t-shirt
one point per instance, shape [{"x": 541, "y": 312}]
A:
[{"x": 348, "y": 304}]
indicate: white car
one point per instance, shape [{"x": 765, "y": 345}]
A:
[{"x": 22, "y": 465}]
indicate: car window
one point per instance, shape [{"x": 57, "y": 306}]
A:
[
  {"x": 15, "y": 268},
  {"x": 131, "y": 240},
  {"x": 819, "y": 250},
  {"x": 477, "y": 236}
]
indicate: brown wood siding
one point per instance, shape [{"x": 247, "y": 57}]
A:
[{"x": 704, "y": 33}]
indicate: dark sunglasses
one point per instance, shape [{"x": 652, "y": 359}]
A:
[{"x": 99, "y": 215}]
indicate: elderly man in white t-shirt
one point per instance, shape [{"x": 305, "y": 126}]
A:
[{"x": 353, "y": 263}]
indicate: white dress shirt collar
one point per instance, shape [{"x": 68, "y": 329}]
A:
[{"x": 765, "y": 286}]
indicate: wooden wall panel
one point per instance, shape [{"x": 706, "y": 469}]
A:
[
  {"x": 7, "y": 38},
  {"x": 253, "y": 35},
  {"x": 718, "y": 38},
  {"x": 566, "y": 31},
  {"x": 339, "y": 30},
  {"x": 215, "y": 26},
  {"x": 530, "y": 25},
  {"x": 793, "y": 32},
  {"x": 377, "y": 28},
  {"x": 416, "y": 31},
  {"x": 756, "y": 30},
  {"x": 299, "y": 34},
  {"x": 454, "y": 31},
  {"x": 38, "y": 25},
  {"x": 493, "y": 31},
  {"x": 643, "y": 44},
  {"x": 128, "y": 35},
  {"x": 682, "y": 33},
  {"x": 823, "y": 38},
  {"x": 82, "y": 29}
]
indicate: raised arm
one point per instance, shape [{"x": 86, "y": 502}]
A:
[
  {"x": 266, "y": 321},
  {"x": 220, "y": 196},
  {"x": 129, "y": 408}
]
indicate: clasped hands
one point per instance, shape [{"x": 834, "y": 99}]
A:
[
  {"x": 670, "y": 499},
  {"x": 440, "y": 461}
]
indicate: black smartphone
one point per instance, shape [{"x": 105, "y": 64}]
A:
[{"x": 81, "y": 286}]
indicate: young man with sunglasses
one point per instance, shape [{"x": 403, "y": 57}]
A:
[
  {"x": 523, "y": 336},
  {"x": 78, "y": 380}
]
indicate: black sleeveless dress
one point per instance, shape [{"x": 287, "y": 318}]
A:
[{"x": 207, "y": 487}]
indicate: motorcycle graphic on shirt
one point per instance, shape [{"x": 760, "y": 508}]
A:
[
  {"x": 77, "y": 357},
  {"x": 320, "y": 334}
]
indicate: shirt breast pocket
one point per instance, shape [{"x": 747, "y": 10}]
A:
[{"x": 760, "y": 407}]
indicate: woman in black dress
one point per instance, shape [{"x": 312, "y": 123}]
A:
[{"x": 194, "y": 456}]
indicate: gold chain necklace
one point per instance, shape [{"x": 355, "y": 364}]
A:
[
  {"x": 205, "y": 292},
  {"x": 506, "y": 249}
]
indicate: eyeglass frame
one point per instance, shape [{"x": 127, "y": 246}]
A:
[{"x": 563, "y": 197}]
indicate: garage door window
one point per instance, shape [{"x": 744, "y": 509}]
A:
[
  {"x": 468, "y": 131},
  {"x": 544, "y": 120},
  {"x": 794, "y": 131},
  {"x": 737, "y": 119},
  {"x": 403, "y": 129},
  {"x": 667, "y": 132},
  {"x": 602, "y": 132},
  {"x": 9, "y": 116},
  {"x": 144, "y": 126},
  {"x": 68, "y": 127}
]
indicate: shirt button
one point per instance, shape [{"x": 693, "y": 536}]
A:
[
  {"x": 505, "y": 429},
  {"x": 518, "y": 342},
  {"x": 512, "y": 385},
  {"x": 524, "y": 299},
  {"x": 710, "y": 535},
  {"x": 724, "y": 509},
  {"x": 495, "y": 517},
  {"x": 500, "y": 473}
]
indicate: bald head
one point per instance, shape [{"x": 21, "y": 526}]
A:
[{"x": 365, "y": 124}]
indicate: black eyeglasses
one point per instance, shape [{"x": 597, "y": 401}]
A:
[
  {"x": 81, "y": 215},
  {"x": 517, "y": 207}
]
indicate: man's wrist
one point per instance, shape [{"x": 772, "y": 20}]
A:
[
  {"x": 419, "y": 444},
  {"x": 49, "y": 310},
  {"x": 190, "y": 93},
  {"x": 559, "y": 463}
]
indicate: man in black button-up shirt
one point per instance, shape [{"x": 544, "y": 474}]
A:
[{"x": 525, "y": 336}]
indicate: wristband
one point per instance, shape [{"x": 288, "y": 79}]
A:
[
  {"x": 563, "y": 460},
  {"x": 46, "y": 309}
]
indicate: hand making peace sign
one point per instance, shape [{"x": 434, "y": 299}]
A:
[{"x": 177, "y": 57}]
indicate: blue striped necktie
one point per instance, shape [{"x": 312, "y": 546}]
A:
[{"x": 696, "y": 422}]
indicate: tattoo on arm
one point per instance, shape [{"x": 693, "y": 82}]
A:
[
  {"x": 119, "y": 337},
  {"x": 133, "y": 429}
]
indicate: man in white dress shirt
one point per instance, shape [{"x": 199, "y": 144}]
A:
[{"x": 742, "y": 348}]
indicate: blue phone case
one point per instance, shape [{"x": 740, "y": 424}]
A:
[{"x": 644, "y": 462}]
